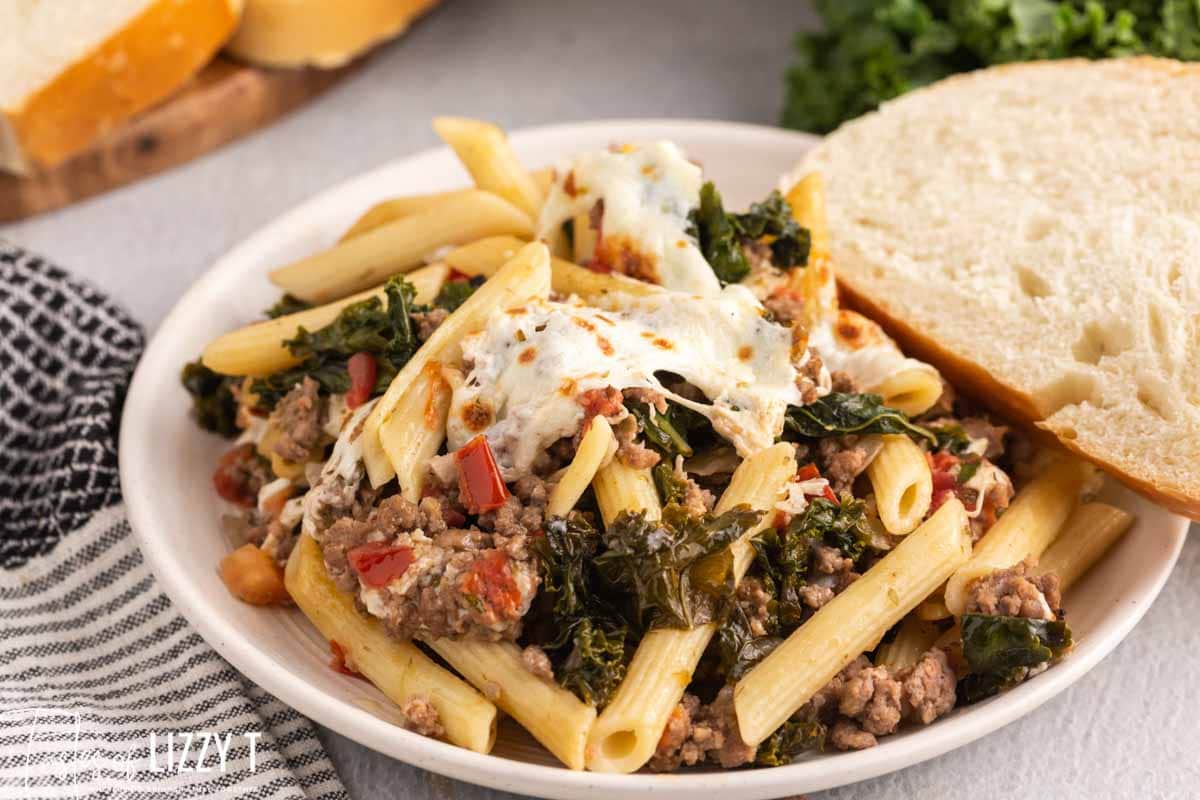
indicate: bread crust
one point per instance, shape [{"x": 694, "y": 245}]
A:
[
  {"x": 144, "y": 62},
  {"x": 1006, "y": 401}
]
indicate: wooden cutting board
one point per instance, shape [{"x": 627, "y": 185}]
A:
[{"x": 225, "y": 101}]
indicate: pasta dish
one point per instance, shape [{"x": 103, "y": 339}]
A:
[{"x": 582, "y": 446}]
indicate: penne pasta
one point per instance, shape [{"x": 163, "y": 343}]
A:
[
  {"x": 816, "y": 282},
  {"x": 552, "y": 715},
  {"x": 259, "y": 349},
  {"x": 583, "y": 239},
  {"x": 912, "y": 641},
  {"x": 620, "y": 487},
  {"x": 526, "y": 276},
  {"x": 399, "y": 246},
  {"x": 1025, "y": 529},
  {"x": 913, "y": 391},
  {"x": 595, "y": 448},
  {"x": 484, "y": 256},
  {"x": 399, "y": 669},
  {"x": 903, "y": 484},
  {"x": 933, "y": 609},
  {"x": 1087, "y": 535},
  {"x": 485, "y": 152},
  {"x": 394, "y": 208},
  {"x": 628, "y": 730},
  {"x": 412, "y": 435},
  {"x": 851, "y": 623}
]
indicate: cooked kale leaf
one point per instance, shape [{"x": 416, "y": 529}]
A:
[
  {"x": 288, "y": 304},
  {"x": 870, "y": 51},
  {"x": 671, "y": 487},
  {"x": 718, "y": 237},
  {"x": 722, "y": 234},
  {"x": 951, "y": 438},
  {"x": 677, "y": 571},
  {"x": 454, "y": 293},
  {"x": 368, "y": 326},
  {"x": 790, "y": 243},
  {"x": 665, "y": 432},
  {"x": 213, "y": 405},
  {"x": 842, "y": 413},
  {"x": 1000, "y": 650},
  {"x": 842, "y": 525},
  {"x": 792, "y": 738},
  {"x": 585, "y": 635}
]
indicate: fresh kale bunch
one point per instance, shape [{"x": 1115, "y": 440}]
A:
[
  {"x": 722, "y": 234},
  {"x": 873, "y": 50}
]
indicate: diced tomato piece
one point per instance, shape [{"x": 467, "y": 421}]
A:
[
  {"x": 941, "y": 466},
  {"x": 362, "y": 369},
  {"x": 488, "y": 579},
  {"x": 600, "y": 403},
  {"x": 380, "y": 563},
  {"x": 457, "y": 276},
  {"x": 480, "y": 486},
  {"x": 808, "y": 472},
  {"x": 829, "y": 495},
  {"x": 338, "y": 662},
  {"x": 231, "y": 478}
]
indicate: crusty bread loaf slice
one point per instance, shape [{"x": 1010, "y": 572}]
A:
[
  {"x": 319, "y": 33},
  {"x": 1034, "y": 231},
  {"x": 71, "y": 71}
]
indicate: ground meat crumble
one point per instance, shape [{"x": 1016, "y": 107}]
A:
[
  {"x": 421, "y": 717},
  {"x": 1016, "y": 592},
  {"x": 298, "y": 420},
  {"x": 475, "y": 582}
]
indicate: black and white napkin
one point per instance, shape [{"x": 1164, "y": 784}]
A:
[{"x": 105, "y": 690}]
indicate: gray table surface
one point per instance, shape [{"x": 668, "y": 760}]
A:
[{"x": 1123, "y": 731}]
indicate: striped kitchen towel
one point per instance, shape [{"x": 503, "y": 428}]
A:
[{"x": 105, "y": 690}]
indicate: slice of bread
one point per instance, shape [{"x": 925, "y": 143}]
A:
[
  {"x": 1034, "y": 231},
  {"x": 71, "y": 71},
  {"x": 319, "y": 33}
]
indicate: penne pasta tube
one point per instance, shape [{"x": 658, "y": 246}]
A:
[
  {"x": 399, "y": 246},
  {"x": 526, "y": 276},
  {"x": 933, "y": 609},
  {"x": 552, "y": 715},
  {"x": 484, "y": 150},
  {"x": 903, "y": 484},
  {"x": 628, "y": 730},
  {"x": 1086, "y": 537},
  {"x": 851, "y": 623},
  {"x": 1025, "y": 529},
  {"x": 399, "y": 669},
  {"x": 620, "y": 487},
  {"x": 394, "y": 208},
  {"x": 259, "y": 349},
  {"x": 912, "y": 641},
  {"x": 816, "y": 282},
  {"x": 485, "y": 256},
  {"x": 583, "y": 239},
  {"x": 913, "y": 391},
  {"x": 412, "y": 435},
  {"x": 568, "y": 278},
  {"x": 596, "y": 447}
]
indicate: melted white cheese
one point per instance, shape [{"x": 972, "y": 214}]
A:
[
  {"x": 530, "y": 365},
  {"x": 648, "y": 191},
  {"x": 870, "y": 365}
]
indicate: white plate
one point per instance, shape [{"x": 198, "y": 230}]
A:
[{"x": 166, "y": 463}]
